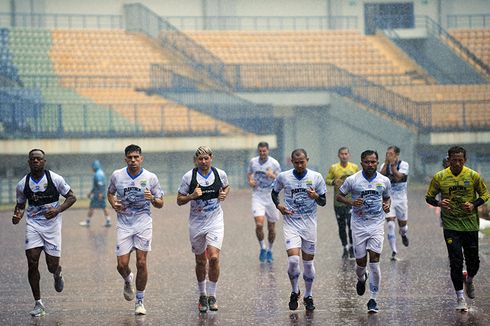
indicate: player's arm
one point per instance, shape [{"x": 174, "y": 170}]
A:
[
  {"x": 223, "y": 193},
  {"x": 399, "y": 177},
  {"x": 70, "y": 199},
  {"x": 251, "y": 180},
  {"x": 342, "y": 198},
  {"x": 330, "y": 178},
  {"x": 386, "y": 204},
  {"x": 183, "y": 199},
  {"x": 384, "y": 168}
]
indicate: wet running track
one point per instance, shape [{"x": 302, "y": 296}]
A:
[{"x": 415, "y": 290}]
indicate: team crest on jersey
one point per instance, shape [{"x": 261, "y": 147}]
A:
[
  {"x": 309, "y": 182},
  {"x": 467, "y": 182},
  {"x": 143, "y": 183}
]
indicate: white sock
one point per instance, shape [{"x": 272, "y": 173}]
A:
[
  {"x": 308, "y": 276},
  {"x": 262, "y": 244},
  {"x": 270, "y": 245},
  {"x": 202, "y": 287},
  {"x": 460, "y": 294},
  {"x": 391, "y": 235},
  {"x": 360, "y": 271},
  {"x": 140, "y": 295},
  {"x": 129, "y": 278},
  {"x": 211, "y": 288},
  {"x": 293, "y": 272},
  {"x": 39, "y": 301},
  {"x": 374, "y": 279},
  {"x": 403, "y": 230}
]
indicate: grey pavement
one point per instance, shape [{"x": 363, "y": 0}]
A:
[{"x": 415, "y": 290}]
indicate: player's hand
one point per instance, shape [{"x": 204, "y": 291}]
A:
[
  {"x": 148, "y": 195},
  {"x": 386, "y": 207},
  {"x": 468, "y": 207},
  {"x": 338, "y": 182},
  {"x": 445, "y": 203},
  {"x": 51, "y": 213},
  {"x": 284, "y": 210},
  {"x": 197, "y": 192},
  {"x": 252, "y": 183},
  {"x": 270, "y": 173},
  {"x": 18, "y": 214},
  {"x": 358, "y": 202},
  {"x": 312, "y": 193},
  {"x": 118, "y": 206},
  {"x": 222, "y": 194}
]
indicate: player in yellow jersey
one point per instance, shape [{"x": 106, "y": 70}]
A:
[
  {"x": 336, "y": 176},
  {"x": 462, "y": 191}
]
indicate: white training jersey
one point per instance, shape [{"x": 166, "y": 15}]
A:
[
  {"x": 35, "y": 214},
  {"x": 264, "y": 184},
  {"x": 129, "y": 190},
  {"x": 373, "y": 191},
  {"x": 204, "y": 213},
  {"x": 398, "y": 189},
  {"x": 296, "y": 199}
]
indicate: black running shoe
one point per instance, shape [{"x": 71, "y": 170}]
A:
[
  {"x": 308, "y": 302},
  {"x": 345, "y": 254},
  {"x": 351, "y": 252},
  {"x": 405, "y": 240},
  {"x": 293, "y": 300},
  {"x": 203, "y": 303},
  {"x": 59, "y": 283},
  {"x": 213, "y": 306},
  {"x": 372, "y": 306},
  {"x": 361, "y": 285}
]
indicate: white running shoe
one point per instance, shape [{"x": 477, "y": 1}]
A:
[
  {"x": 139, "y": 308},
  {"x": 85, "y": 223},
  {"x": 38, "y": 310},
  {"x": 462, "y": 305},
  {"x": 129, "y": 289}
]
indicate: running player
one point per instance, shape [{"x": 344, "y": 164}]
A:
[
  {"x": 98, "y": 195},
  {"x": 42, "y": 188},
  {"x": 205, "y": 187},
  {"x": 370, "y": 200},
  {"x": 462, "y": 192},
  {"x": 336, "y": 175},
  {"x": 262, "y": 171},
  {"x": 303, "y": 190},
  {"x": 397, "y": 171},
  {"x": 131, "y": 191}
]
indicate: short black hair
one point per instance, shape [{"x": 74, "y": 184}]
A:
[
  {"x": 132, "y": 148},
  {"x": 342, "y": 148},
  {"x": 298, "y": 152},
  {"x": 395, "y": 148},
  {"x": 263, "y": 144},
  {"x": 456, "y": 150},
  {"x": 36, "y": 150},
  {"x": 367, "y": 153}
]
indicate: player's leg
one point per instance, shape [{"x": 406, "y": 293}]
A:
[
  {"x": 141, "y": 280},
  {"x": 390, "y": 234},
  {"x": 33, "y": 275},
  {"x": 309, "y": 272},
  {"x": 455, "y": 252},
  {"x": 259, "y": 232},
  {"x": 90, "y": 213},
  {"x": 402, "y": 216},
  {"x": 341, "y": 223},
  {"x": 360, "y": 252},
  {"x": 54, "y": 268},
  {"x": 214, "y": 240},
  {"x": 294, "y": 272},
  {"x": 374, "y": 280},
  {"x": 52, "y": 250},
  {"x": 472, "y": 259},
  {"x": 348, "y": 213},
  {"x": 273, "y": 215},
  {"x": 108, "y": 222},
  {"x": 124, "y": 246}
]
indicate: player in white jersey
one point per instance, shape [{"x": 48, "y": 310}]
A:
[
  {"x": 131, "y": 191},
  {"x": 370, "y": 201},
  {"x": 41, "y": 189},
  {"x": 397, "y": 171},
  {"x": 205, "y": 187},
  {"x": 304, "y": 189},
  {"x": 262, "y": 171}
]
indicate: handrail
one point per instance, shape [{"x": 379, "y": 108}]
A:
[
  {"x": 77, "y": 81},
  {"x": 54, "y": 21},
  {"x": 482, "y": 21}
]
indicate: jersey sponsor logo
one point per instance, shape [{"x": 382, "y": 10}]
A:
[
  {"x": 309, "y": 183},
  {"x": 143, "y": 183},
  {"x": 365, "y": 193}
]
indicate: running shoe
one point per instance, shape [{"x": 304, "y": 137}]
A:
[
  {"x": 128, "y": 289},
  {"x": 59, "y": 283},
  {"x": 372, "y": 306},
  {"x": 85, "y": 223},
  {"x": 361, "y": 285},
  {"x": 461, "y": 305},
  {"x": 263, "y": 255},
  {"x": 308, "y": 302},
  {"x": 139, "y": 308},
  {"x": 203, "y": 303},
  {"x": 38, "y": 310},
  {"x": 405, "y": 240},
  {"x": 213, "y": 306},
  {"x": 107, "y": 223},
  {"x": 293, "y": 300},
  {"x": 351, "y": 252},
  {"x": 269, "y": 256},
  {"x": 393, "y": 256}
]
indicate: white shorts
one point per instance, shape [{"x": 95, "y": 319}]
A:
[
  {"x": 127, "y": 240},
  {"x": 399, "y": 209},
  {"x": 364, "y": 240},
  {"x": 263, "y": 208},
  {"x": 50, "y": 239},
  {"x": 294, "y": 240},
  {"x": 201, "y": 239}
]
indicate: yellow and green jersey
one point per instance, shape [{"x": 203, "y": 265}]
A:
[
  {"x": 465, "y": 187},
  {"x": 337, "y": 171}
]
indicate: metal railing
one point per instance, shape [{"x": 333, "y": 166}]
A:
[
  {"x": 77, "y": 81},
  {"x": 468, "y": 21},
  {"x": 263, "y": 23},
  {"x": 68, "y": 21}
]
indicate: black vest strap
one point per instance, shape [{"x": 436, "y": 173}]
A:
[
  {"x": 208, "y": 192},
  {"x": 50, "y": 195}
]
